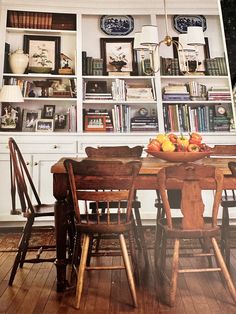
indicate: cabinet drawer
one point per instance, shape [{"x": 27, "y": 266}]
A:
[{"x": 43, "y": 148}]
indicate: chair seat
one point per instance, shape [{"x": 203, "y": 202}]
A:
[
  {"x": 41, "y": 211},
  {"x": 103, "y": 227},
  {"x": 178, "y": 232}
]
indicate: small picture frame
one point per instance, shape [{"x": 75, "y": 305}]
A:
[
  {"x": 60, "y": 121},
  {"x": 95, "y": 123},
  {"x": 44, "y": 125},
  {"x": 29, "y": 120},
  {"x": 96, "y": 87},
  {"x": 48, "y": 111}
]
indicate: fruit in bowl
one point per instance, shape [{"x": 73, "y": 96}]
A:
[{"x": 187, "y": 148}]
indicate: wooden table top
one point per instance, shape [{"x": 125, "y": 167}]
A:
[{"x": 151, "y": 165}]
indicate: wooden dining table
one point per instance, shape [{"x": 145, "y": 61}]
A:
[{"x": 146, "y": 180}]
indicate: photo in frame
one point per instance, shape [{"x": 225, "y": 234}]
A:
[
  {"x": 44, "y": 125},
  {"x": 118, "y": 55},
  {"x": 29, "y": 120},
  {"x": 44, "y": 53},
  {"x": 48, "y": 111},
  {"x": 203, "y": 54},
  {"x": 95, "y": 123},
  {"x": 60, "y": 121},
  {"x": 10, "y": 119}
]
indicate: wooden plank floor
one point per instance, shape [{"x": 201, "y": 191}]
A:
[{"x": 34, "y": 290}]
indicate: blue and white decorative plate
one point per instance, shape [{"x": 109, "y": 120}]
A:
[
  {"x": 117, "y": 25},
  {"x": 181, "y": 22}
]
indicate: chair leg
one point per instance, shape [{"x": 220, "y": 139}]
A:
[
  {"x": 224, "y": 269},
  {"x": 141, "y": 236},
  {"x": 25, "y": 242},
  {"x": 225, "y": 247},
  {"x": 128, "y": 269},
  {"x": 82, "y": 267},
  {"x": 175, "y": 268}
]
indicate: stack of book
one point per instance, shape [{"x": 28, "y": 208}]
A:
[
  {"x": 220, "y": 93},
  {"x": 148, "y": 123},
  {"x": 197, "y": 91},
  {"x": 118, "y": 90},
  {"x": 221, "y": 123},
  {"x": 175, "y": 92},
  {"x": 121, "y": 118},
  {"x": 216, "y": 66},
  {"x": 139, "y": 93}
]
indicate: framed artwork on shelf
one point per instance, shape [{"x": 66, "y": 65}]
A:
[
  {"x": 29, "y": 120},
  {"x": 95, "y": 123},
  {"x": 48, "y": 111},
  {"x": 181, "y": 22},
  {"x": 95, "y": 87},
  {"x": 199, "y": 53},
  {"x": 10, "y": 119},
  {"x": 44, "y": 53},
  {"x": 60, "y": 121},
  {"x": 44, "y": 125},
  {"x": 117, "y": 25},
  {"x": 118, "y": 55}
]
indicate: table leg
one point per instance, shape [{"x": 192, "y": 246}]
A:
[{"x": 61, "y": 233}]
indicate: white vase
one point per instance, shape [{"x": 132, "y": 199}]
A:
[{"x": 18, "y": 61}]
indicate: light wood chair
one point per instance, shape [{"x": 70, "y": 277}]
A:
[
  {"x": 99, "y": 181},
  {"x": 228, "y": 202},
  {"x": 131, "y": 153},
  {"x": 22, "y": 184},
  {"x": 189, "y": 177}
]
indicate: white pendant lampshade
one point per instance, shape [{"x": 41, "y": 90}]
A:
[
  {"x": 149, "y": 35},
  {"x": 11, "y": 93},
  {"x": 195, "y": 36},
  {"x": 183, "y": 41}
]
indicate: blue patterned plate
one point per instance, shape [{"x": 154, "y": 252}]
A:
[{"x": 117, "y": 25}]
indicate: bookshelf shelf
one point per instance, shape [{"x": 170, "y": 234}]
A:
[{"x": 37, "y": 31}]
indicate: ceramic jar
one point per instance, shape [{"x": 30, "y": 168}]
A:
[{"x": 18, "y": 61}]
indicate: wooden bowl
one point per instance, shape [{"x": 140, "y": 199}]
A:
[{"x": 179, "y": 156}]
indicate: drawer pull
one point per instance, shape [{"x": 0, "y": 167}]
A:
[
  {"x": 55, "y": 146},
  {"x": 36, "y": 163},
  {"x": 27, "y": 163}
]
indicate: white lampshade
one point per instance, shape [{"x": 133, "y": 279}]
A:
[
  {"x": 11, "y": 93},
  {"x": 137, "y": 41},
  {"x": 195, "y": 36},
  {"x": 183, "y": 40},
  {"x": 149, "y": 35}
]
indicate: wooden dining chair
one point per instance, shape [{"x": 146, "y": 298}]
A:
[
  {"x": 228, "y": 202},
  {"x": 99, "y": 181},
  {"x": 22, "y": 185},
  {"x": 127, "y": 152},
  {"x": 189, "y": 177}
]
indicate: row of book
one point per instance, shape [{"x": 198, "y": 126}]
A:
[
  {"x": 25, "y": 19},
  {"x": 216, "y": 66},
  {"x": 195, "y": 91},
  {"x": 118, "y": 119},
  {"x": 184, "y": 118},
  {"x": 91, "y": 66}
]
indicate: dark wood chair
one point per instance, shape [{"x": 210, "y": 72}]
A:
[
  {"x": 189, "y": 177},
  {"x": 99, "y": 181},
  {"x": 228, "y": 202},
  {"x": 129, "y": 152},
  {"x": 22, "y": 184}
]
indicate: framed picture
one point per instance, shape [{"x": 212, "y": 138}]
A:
[
  {"x": 118, "y": 55},
  {"x": 95, "y": 123},
  {"x": 29, "y": 120},
  {"x": 94, "y": 87},
  {"x": 10, "y": 119},
  {"x": 48, "y": 111},
  {"x": 44, "y": 53},
  {"x": 117, "y": 25},
  {"x": 203, "y": 53},
  {"x": 44, "y": 125},
  {"x": 181, "y": 22},
  {"x": 60, "y": 121}
]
